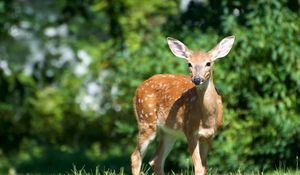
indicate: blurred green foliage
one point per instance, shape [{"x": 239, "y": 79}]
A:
[{"x": 68, "y": 71}]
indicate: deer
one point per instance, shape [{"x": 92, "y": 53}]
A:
[{"x": 175, "y": 105}]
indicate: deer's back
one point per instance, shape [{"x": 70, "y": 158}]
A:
[{"x": 164, "y": 89}]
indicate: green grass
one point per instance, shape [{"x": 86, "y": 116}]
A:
[{"x": 147, "y": 171}]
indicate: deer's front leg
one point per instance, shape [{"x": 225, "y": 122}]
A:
[
  {"x": 194, "y": 150},
  {"x": 204, "y": 147}
]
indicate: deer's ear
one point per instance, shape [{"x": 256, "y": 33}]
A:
[
  {"x": 223, "y": 48},
  {"x": 178, "y": 48}
]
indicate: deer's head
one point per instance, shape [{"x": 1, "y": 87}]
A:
[{"x": 200, "y": 63}]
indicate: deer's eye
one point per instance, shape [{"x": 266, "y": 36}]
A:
[
  {"x": 189, "y": 65},
  {"x": 208, "y": 64}
]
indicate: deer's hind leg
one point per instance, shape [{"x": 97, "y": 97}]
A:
[
  {"x": 165, "y": 146},
  {"x": 144, "y": 139},
  {"x": 145, "y": 114}
]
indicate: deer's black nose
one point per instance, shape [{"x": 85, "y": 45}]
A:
[{"x": 197, "y": 80}]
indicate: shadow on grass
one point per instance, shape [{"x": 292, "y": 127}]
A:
[{"x": 52, "y": 160}]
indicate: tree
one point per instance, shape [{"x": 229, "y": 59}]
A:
[{"x": 68, "y": 71}]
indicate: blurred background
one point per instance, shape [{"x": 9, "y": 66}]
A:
[{"x": 69, "y": 69}]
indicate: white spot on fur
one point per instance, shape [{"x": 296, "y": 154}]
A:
[
  {"x": 150, "y": 95},
  {"x": 150, "y": 105}
]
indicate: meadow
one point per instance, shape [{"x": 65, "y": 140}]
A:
[
  {"x": 147, "y": 171},
  {"x": 69, "y": 71}
]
